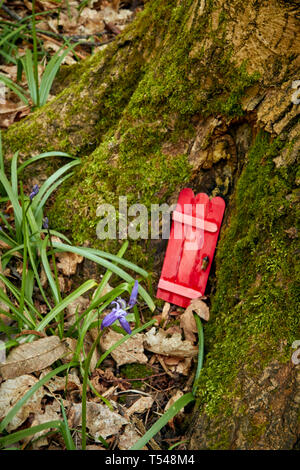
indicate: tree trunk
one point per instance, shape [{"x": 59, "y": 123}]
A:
[{"x": 199, "y": 93}]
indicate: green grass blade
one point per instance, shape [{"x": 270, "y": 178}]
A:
[
  {"x": 13, "y": 33},
  {"x": 109, "y": 273},
  {"x": 15, "y": 88},
  {"x": 1, "y": 154},
  {"x": 43, "y": 155},
  {"x": 108, "y": 265},
  {"x": 31, "y": 392},
  {"x": 200, "y": 351},
  {"x": 20, "y": 435},
  {"x": 125, "y": 263},
  {"x": 48, "y": 271},
  {"x": 48, "y": 183},
  {"x": 19, "y": 315},
  {"x": 29, "y": 72},
  {"x": 39, "y": 209},
  {"x": 163, "y": 420},
  {"x": 36, "y": 274},
  {"x": 13, "y": 198},
  {"x": 50, "y": 73},
  {"x": 65, "y": 302},
  {"x": 66, "y": 430},
  {"x": 13, "y": 173}
]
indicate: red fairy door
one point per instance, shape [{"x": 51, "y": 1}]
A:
[{"x": 193, "y": 238}]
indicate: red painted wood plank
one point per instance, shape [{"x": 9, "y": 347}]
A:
[{"x": 191, "y": 247}]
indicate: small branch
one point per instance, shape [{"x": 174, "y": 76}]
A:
[{"x": 12, "y": 14}]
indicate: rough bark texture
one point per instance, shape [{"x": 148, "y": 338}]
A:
[{"x": 199, "y": 93}]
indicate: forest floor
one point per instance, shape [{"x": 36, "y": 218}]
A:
[{"x": 145, "y": 375}]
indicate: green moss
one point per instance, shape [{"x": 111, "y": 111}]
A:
[
  {"x": 254, "y": 310},
  {"x": 146, "y": 102},
  {"x": 255, "y": 432},
  {"x": 136, "y": 371}
]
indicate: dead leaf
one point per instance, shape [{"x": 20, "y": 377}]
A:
[
  {"x": 159, "y": 342},
  {"x": 71, "y": 344},
  {"x": 129, "y": 437},
  {"x": 77, "y": 306},
  {"x": 11, "y": 391},
  {"x": 187, "y": 320},
  {"x": 199, "y": 307},
  {"x": 40, "y": 418},
  {"x": 67, "y": 262},
  {"x": 58, "y": 384},
  {"x": 171, "y": 402},
  {"x": 174, "y": 398},
  {"x": 132, "y": 351},
  {"x": 32, "y": 357},
  {"x": 101, "y": 421},
  {"x": 140, "y": 405},
  {"x": 183, "y": 367},
  {"x": 165, "y": 311}
]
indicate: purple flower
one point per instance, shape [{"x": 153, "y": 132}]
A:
[
  {"x": 121, "y": 311},
  {"x": 46, "y": 223},
  {"x": 34, "y": 191},
  {"x": 134, "y": 293}
]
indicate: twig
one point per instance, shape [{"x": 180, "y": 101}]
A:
[
  {"x": 31, "y": 332},
  {"x": 12, "y": 14},
  {"x": 162, "y": 363}
]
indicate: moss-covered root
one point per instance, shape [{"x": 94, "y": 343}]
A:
[{"x": 247, "y": 394}]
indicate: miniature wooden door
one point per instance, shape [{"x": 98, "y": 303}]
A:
[{"x": 193, "y": 238}]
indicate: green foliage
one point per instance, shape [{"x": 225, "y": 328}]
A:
[
  {"x": 38, "y": 92},
  {"x": 254, "y": 310},
  {"x": 27, "y": 239}
]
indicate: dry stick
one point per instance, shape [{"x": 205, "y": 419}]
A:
[
  {"x": 42, "y": 35},
  {"x": 12, "y": 14},
  {"x": 162, "y": 363}
]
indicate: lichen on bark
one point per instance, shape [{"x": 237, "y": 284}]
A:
[{"x": 198, "y": 93}]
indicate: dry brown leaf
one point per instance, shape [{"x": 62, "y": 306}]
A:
[
  {"x": 40, "y": 418},
  {"x": 67, "y": 262},
  {"x": 11, "y": 391},
  {"x": 129, "y": 437},
  {"x": 58, "y": 384},
  {"x": 172, "y": 360},
  {"x": 199, "y": 307},
  {"x": 71, "y": 344},
  {"x": 87, "y": 344},
  {"x": 132, "y": 351},
  {"x": 187, "y": 320},
  {"x": 188, "y": 324},
  {"x": 140, "y": 405},
  {"x": 32, "y": 357},
  {"x": 165, "y": 311},
  {"x": 183, "y": 367},
  {"x": 94, "y": 447},
  {"x": 178, "y": 394},
  {"x": 78, "y": 305},
  {"x": 100, "y": 420},
  {"x": 159, "y": 342}
]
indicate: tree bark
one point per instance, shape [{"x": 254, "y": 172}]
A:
[{"x": 200, "y": 93}]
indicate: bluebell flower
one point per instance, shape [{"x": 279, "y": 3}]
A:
[
  {"x": 120, "y": 311},
  {"x": 46, "y": 223},
  {"x": 34, "y": 191},
  {"x": 134, "y": 293}
]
